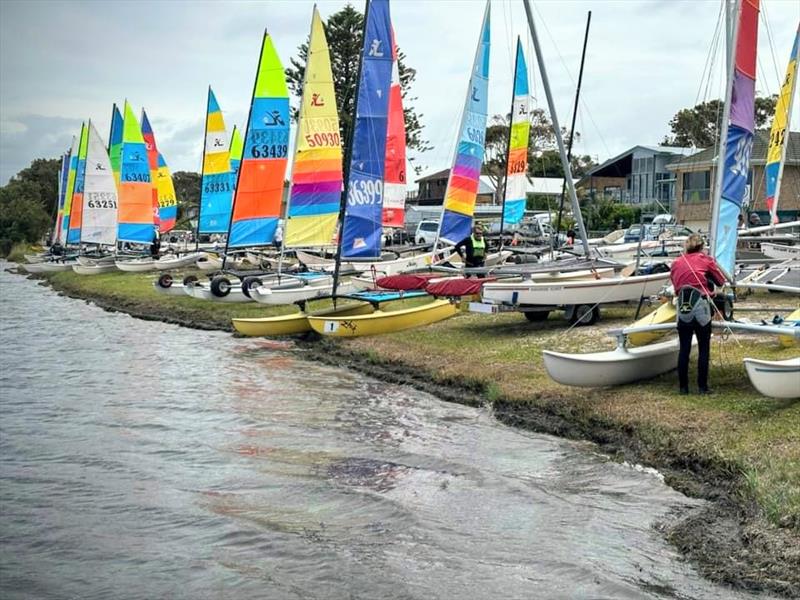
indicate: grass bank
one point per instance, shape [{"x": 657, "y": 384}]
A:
[{"x": 735, "y": 448}]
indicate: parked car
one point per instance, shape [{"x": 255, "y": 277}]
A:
[
  {"x": 426, "y": 231},
  {"x": 633, "y": 234}
]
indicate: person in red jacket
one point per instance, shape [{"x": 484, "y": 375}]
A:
[{"x": 694, "y": 275}]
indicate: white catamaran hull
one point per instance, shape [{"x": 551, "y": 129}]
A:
[
  {"x": 55, "y": 267},
  {"x": 203, "y": 292},
  {"x": 273, "y": 296},
  {"x": 595, "y": 291},
  {"x": 615, "y": 367},
  {"x": 775, "y": 379},
  {"x": 780, "y": 251},
  {"x": 136, "y": 265},
  {"x": 178, "y": 262},
  {"x": 94, "y": 269}
]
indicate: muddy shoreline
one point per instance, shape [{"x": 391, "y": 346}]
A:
[{"x": 728, "y": 540}]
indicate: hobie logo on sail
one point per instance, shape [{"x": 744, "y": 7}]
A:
[
  {"x": 375, "y": 49},
  {"x": 741, "y": 157},
  {"x": 317, "y": 100}
]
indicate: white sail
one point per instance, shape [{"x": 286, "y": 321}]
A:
[{"x": 99, "y": 195}]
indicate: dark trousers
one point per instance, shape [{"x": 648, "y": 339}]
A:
[{"x": 685, "y": 333}]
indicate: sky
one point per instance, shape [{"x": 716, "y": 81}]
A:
[{"x": 62, "y": 62}]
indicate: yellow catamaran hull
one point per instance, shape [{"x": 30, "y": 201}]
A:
[
  {"x": 293, "y": 324},
  {"x": 665, "y": 313},
  {"x": 381, "y": 322}
]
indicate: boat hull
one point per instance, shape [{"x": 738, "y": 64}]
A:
[
  {"x": 293, "y": 324},
  {"x": 382, "y": 322},
  {"x": 775, "y": 379},
  {"x": 665, "y": 313},
  {"x": 202, "y": 292},
  {"x": 137, "y": 265},
  {"x": 164, "y": 263},
  {"x": 54, "y": 267},
  {"x": 615, "y": 367},
  {"x": 94, "y": 269},
  {"x": 277, "y": 297}
]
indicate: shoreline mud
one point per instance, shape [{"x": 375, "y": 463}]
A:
[{"x": 728, "y": 540}]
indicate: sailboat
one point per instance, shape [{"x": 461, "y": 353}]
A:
[{"x": 624, "y": 365}]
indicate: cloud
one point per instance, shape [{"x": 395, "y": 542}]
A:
[{"x": 33, "y": 136}]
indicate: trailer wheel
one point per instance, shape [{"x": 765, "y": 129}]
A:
[
  {"x": 248, "y": 283},
  {"x": 536, "y": 315},
  {"x": 165, "y": 281},
  {"x": 220, "y": 286},
  {"x": 583, "y": 314},
  {"x": 190, "y": 280}
]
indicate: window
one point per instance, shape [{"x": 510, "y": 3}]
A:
[{"x": 696, "y": 186}]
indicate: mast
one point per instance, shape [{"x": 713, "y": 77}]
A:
[
  {"x": 202, "y": 174},
  {"x": 348, "y": 152},
  {"x": 716, "y": 198},
  {"x": 239, "y": 172},
  {"x": 508, "y": 141},
  {"x": 572, "y": 128},
  {"x": 576, "y": 209}
]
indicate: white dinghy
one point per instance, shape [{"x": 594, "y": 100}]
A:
[
  {"x": 775, "y": 378},
  {"x": 615, "y": 367},
  {"x": 178, "y": 262},
  {"x": 781, "y": 251}
]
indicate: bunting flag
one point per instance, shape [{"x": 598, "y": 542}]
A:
[
  {"x": 76, "y": 208},
  {"x": 167, "y": 201},
  {"x": 115, "y": 141},
  {"x": 778, "y": 138},
  {"x": 517, "y": 163},
  {"x": 462, "y": 185},
  {"x": 259, "y": 188},
  {"x": 394, "y": 181},
  {"x": 362, "y": 228},
  {"x": 73, "y": 167},
  {"x": 216, "y": 191},
  {"x": 63, "y": 178},
  {"x": 313, "y": 207},
  {"x": 740, "y": 136},
  {"x": 99, "y": 221},
  {"x": 135, "y": 204}
]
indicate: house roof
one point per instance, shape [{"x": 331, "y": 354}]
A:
[
  {"x": 443, "y": 174},
  {"x": 622, "y": 164},
  {"x": 707, "y": 157}
]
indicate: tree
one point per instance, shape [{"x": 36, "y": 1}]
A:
[
  {"x": 43, "y": 172},
  {"x": 344, "y": 33},
  {"x": 187, "y": 190},
  {"x": 23, "y": 217},
  {"x": 698, "y": 126}
]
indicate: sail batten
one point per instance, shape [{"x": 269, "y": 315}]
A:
[
  {"x": 313, "y": 207},
  {"x": 462, "y": 184},
  {"x": 362, "y": 227}
]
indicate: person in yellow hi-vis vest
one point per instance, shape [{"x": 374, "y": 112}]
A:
[{"x": 473, "y": 248}]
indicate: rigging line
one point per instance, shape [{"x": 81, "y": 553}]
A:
[
  {"x": 710, "y": 57},
  {"x": 763, "y": 14}
]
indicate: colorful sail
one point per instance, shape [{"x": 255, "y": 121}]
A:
[
  {"x": 99, "y": 224},
  {"x": 63, "y": 177},
  {"x": 237, "y": 148},
  {"x": 462, "y": 185},
  {"x": 739, "y": 137},
  {"x": 135, "y": 203},
  {"x": 152, "y": 161},
  {"x": 73, "y": 167},
  {"x": 778, "y": 138},
  {"x": 362, "y": 228},
  {"x": 167, "y": 201},
  {"x": 76, "y": 209},
  {"x": 313, "y": 207},
  {"x": 259, "y": 189},
  {"x": 115, "y": 141},
  {"x": 216, "y": 191},
  {"x": 394, "y": 180},
  {"x": 516, "y": 171}
]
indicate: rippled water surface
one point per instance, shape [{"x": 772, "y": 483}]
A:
[{"x": 142, "y": 460}]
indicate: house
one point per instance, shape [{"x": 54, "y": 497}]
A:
[
  {"x": 637, "y": 176},
  {"x": 694, "y": 176}
]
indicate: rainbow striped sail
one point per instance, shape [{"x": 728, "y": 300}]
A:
[
  {"x": 216, "y": 191},
  {"x": 394, "y": 179},
  {"x": 736, "y": 152},
  {"x": 167, "y": 202},
  {"x": 135, "y": 190},
  {"x": 778, "y": 140},
  {"x": 237, "y": 147},
  {"x": 99, "y": 221},
  {"x": 76, "y": 208},
  {"x": 517, "y": 164},
  {"x": 462, "y": 186},
  {"x": 362, "y": 229},
  {"x": 73, "y": 167},
  {"x": 63, "y": 177},
  {"x": 152, "y": 161},
  {"x": 313, "y": 207},
  {"x": 115, "y": 141},
  {"x": 259, "y": 189}
]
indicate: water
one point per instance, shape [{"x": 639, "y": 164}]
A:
[{"x": 142, "y": 460}]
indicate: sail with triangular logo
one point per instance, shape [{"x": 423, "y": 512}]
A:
[
  {"x": 362, "y": 227},
  {"x": 99, "y": 220},
  {"x": 394, "y": 180},
  {"x": 76, "y": 207},
  {"x": 778, "y": 136},
  {"x": 313, "y": 207},
  {"x": 517, "y": 163},
  {"x": 216, "y": 190},
  {"x": 135, "y": 205},
  {"x": 115, "y": 141},
  {"x": 462, "y": 184},
  {"x": 258, "y": 195}
]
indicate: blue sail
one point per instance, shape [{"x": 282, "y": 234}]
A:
[{"x": 362, "y": 226}]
